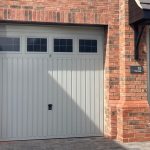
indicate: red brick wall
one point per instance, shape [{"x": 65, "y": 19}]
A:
[
  {"x": 127, "y": 114},
  {"x": 111, "y": 75},
  {"x": 133, "y": 112},
  {"x": 72, "y": 11}
]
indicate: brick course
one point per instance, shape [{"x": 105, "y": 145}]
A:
[{"x": 127, "y": 113}]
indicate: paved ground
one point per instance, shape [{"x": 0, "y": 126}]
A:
[{"x": 73, "y": 144}]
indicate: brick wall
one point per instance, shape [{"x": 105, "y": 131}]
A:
[
  {"x": 127, "y": 114},
  {"x": 133, "y": 112},
  {"x": 83, "y": 11},
  {"x": 111, "y": 75}
]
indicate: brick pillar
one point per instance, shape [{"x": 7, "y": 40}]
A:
[
  {"x": 111, "y": 79},
  {"x": 133, "y": 112}
]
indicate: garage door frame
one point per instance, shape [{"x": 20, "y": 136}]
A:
[{"x": 102, "y": 101}]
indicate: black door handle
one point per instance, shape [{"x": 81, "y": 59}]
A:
[{"x": 50, "y": 106}]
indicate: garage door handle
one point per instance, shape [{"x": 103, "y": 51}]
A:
[
  {"x": 50, "y": 55},
  {"x": 50, "y": 106}
]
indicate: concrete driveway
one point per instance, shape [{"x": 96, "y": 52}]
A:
[{"x": 98, "y": 143}]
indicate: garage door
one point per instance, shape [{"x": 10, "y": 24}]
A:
[{"x": 51, "y": 82}]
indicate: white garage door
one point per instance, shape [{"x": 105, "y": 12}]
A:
[{"x": 51, "y": 82}]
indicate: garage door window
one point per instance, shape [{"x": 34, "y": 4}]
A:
[
  {"x": 87, "y": 46},
  {"x": 36, "y": 44},
  {"x": 8, "y": 44},
  {"x": 63, "y": 45}
]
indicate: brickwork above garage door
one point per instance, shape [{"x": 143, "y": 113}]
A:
[{"x": 84, "y": 11}]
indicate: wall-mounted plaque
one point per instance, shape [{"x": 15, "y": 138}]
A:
[{"x": 136, "y": 69}]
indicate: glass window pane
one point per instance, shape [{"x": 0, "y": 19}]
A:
[
  {"x": 37, "y": 41},
  {"x": 69, "y": 48},
  {"x": 69, "y": 42},
  {"x": 9, "y": 44},
  {"x": 30, "y": 48},
  {"x": 81, "y": 48},
  {"x": 37, "y": 45},
  {"x": 94, "y": 42},
  {"x": 43, "y": 48},
  {"x": 63, "y": 45},
  {"x": 81, "y": 42},
  {"x": 63, "y": 42},
  {"x": 37, "y": 48},
  {"x": 56, "y": 48},
  {"x": 30, "y": 41},
  {"x": 63, "y": 49},
  {"x": 87, "y": 43},
  {"x": 87, "y": 46},
  {"x": 94, "y": 48},
  {"x": 88, "y": 49},
  {"x": 16, "y": 40},
  {"x": 56, "y": 42},
  {"x": 7, "y": 48},
  {"x": 16, "y": 47},
  {"x": 44, "y": 41}
]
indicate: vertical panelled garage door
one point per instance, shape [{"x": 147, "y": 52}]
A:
[{"x": 51, "y": 82}]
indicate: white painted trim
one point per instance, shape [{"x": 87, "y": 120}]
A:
[
  {"x": 138, "y": 3},
  {"x": 102, "y": 105},
  {"x": 49, "y": 30}
]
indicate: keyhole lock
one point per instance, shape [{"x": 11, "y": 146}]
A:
[
  {"x": 50, "y": 55},
  {"x": 50, "y": 106}
]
